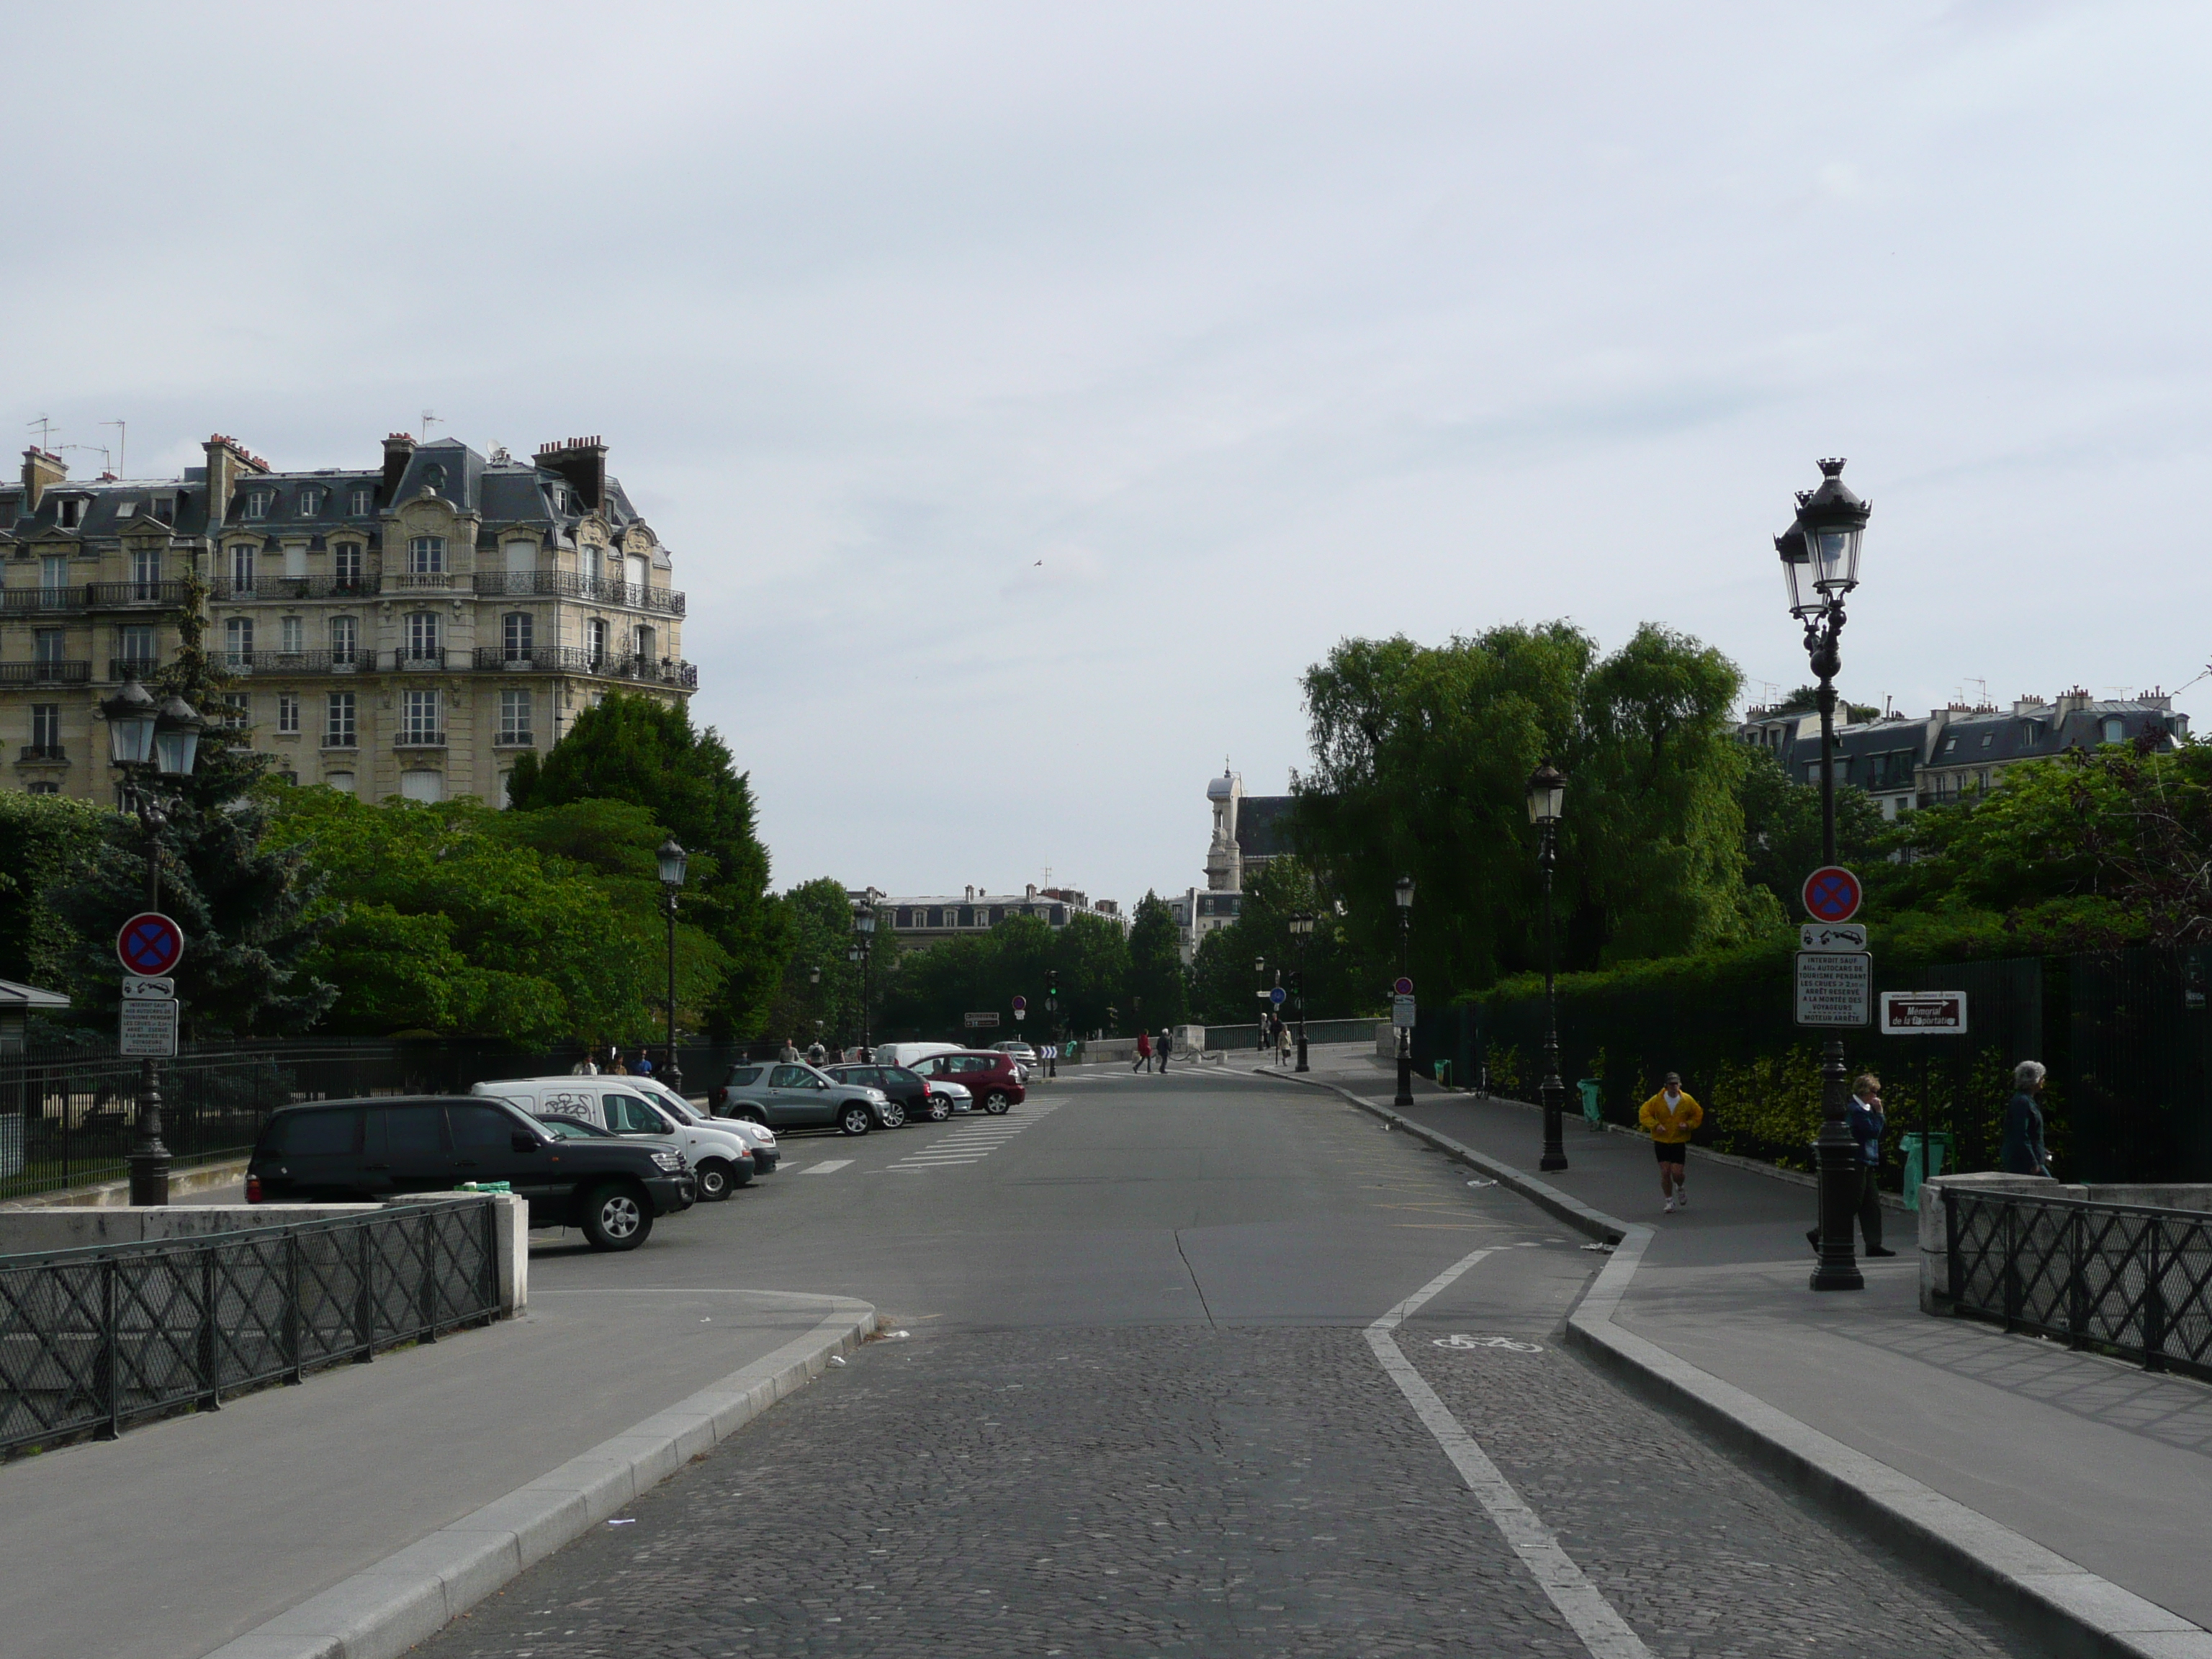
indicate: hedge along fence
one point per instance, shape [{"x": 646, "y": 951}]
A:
[{"x": 1727, "y": 1023}]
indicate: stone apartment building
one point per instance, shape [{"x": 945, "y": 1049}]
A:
[{"x": 406, "y": 629}]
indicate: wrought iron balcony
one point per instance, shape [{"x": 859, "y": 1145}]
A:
[
  {"x": 578, "y": 659},
  {"x": 118, "y": 596},
  {"x": 45, "y": 673},
  {"x": 19, "y": 601},
  {"x": 299, "y": 587},
  {"x": 296, "y": 662},
  {"x": 43, "y": 752},
  {"x": 420, "y": 740},
  {"x": 569, "y": 585}
]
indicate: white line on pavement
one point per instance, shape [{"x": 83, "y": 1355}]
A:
[
  {"x": 825, "y": 1166},
  {"x": 1603, "y": 1632}
]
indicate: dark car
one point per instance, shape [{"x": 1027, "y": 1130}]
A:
[
  {"x": 993, "y": 1078},
  {"x": 908, "y": 1090},
  {"x": 353, "y": 1150}
]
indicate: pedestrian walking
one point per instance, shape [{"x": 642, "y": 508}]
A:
[
  {"x": 1282, "y": 1043},
  {"x": 1672, "y": 1116},
  {"x": 1144, "y": 1052},
  {"x": 2022, "y": 1151},
  {"x": 816, "y": 1054},
  {"x": 1164, "y": 1047},
  {"x": 585, "y": 1067},
  {"x": 1867, "y": 1121},
  {"x": 789, "y": 1053}
]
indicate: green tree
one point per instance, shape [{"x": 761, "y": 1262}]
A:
[
  {"x": 1806, "y": 700},
  {"x": 1782, "y": 841},
  {"x": 1158, "y": 988},
  {"x": 639, "y": 750},
  {"x": 1339, "y": 979},
  {"x": 1421, "y": 761},
  {"x": 41, "y": 838},
  {"x": 819, "y": 991},
  {"x": 1092, "y": 957}
]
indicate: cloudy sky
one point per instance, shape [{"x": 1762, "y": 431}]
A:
[{"x": 1029, "y": 393}]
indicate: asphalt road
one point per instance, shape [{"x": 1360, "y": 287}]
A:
[{"x": 1144, "y": 1407}]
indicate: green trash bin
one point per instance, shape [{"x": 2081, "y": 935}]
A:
[
  {"x": 1443, "y": 1073},
  {"x": 1921, "y": 1164},
  {"x": 1593, "y": 1107}
]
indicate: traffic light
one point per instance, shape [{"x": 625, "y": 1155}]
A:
[{"x": 1051, "y": 987}]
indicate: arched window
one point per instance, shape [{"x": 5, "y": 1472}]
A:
[
  {"x": 2115, "y": 728},
  {"x": 515, "y": 630}
]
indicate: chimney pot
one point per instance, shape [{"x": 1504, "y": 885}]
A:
[{"x": 41, "y": 472}]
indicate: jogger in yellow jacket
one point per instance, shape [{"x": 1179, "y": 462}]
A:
[{"x": 1671, "y": 1116}]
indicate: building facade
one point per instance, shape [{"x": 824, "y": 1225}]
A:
[
  {"x": 1250, "y": 831},
  {"x": 407, "y": 629},
  {"x": 1905, "y": 762},
  {"x": 916, "y": 922}
]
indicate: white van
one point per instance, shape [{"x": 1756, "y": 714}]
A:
[
  {"x": 759, "y": 1138},
  {"x": 911, "y": 1054},
  {"x": 719, "y": 1157}
]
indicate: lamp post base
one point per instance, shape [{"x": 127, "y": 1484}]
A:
[
  {"x": 1405, "y": 1075},
  {"x": 1301, "y": 1065},
  {"x": 1553, "y": 1093},
  {"x": 149, "y": 1177},
  {"x": 1838, "y": 1155}
]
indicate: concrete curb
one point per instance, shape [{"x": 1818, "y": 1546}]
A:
[
  {"x": 2061, "y": 1606},
  {"x": 407, "y": 1598},
  {"x": 111, "y": 1195}
]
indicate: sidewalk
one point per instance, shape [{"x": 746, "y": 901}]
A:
[
  {"x": 185, "y": 1534},
  {"x": 2107, "y": 1464}
]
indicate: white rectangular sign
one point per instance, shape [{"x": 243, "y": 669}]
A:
[
  {"x": 1923, "y": 1013},
  {"x": 1832, "y": 936},
  {"x": 1835, "y": 988},
  {"x": 148, "y": 1028},
  {"x": 982, "y": 1022},
  {"x": 1401, "y": 1012}
]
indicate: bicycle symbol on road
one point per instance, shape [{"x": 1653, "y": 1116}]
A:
[{"x": 1509, "y": 1343}]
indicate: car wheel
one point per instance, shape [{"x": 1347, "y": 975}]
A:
[
  {"x": 617, "y": 1217},
  {"x": 751, "y": 1115},
  {"x": 936, "y": 1109},
  {"x": 891, "y": 1116},
  {"x": 997, "y": 1104},
  {"x": 855, "y": 1119},
  {"x": 713, "y": 1180}
]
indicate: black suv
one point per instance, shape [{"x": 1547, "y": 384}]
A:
[{"x": 347, "y": 1150}]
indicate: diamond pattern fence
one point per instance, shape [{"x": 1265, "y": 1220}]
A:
[
  {"x": 2125, "y": 1277},
  {"x": 91, "y": 1338}
]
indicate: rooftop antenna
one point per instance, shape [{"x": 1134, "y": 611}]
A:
[
  {"x": 427, "y": 417},
  {"x": 100, "y": 450},
  {"x": 122, "y": 446},
  {"x": 45, "y": 432},
  {"x": 1985, "y": 684}
]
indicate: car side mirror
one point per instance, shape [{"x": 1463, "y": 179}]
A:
[
  {"x": 819, "y": 1084},
  {"x": 523, "y": 1143}
]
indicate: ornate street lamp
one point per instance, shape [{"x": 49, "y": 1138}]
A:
[
  {"x": 1548, "y": 796},
  {"x": 863, "y": 931},
  {"x": 1820, "y": 566},
  {"x": 1405, "y": 896},
  {"x": 1260, "y": 969},
  {"x": 1302, "y": 927},
  {"x": 149, "y": 741},
  {"x": 673, "y": 859}
]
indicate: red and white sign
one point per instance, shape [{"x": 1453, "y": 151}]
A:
[
  {"x": 150, "y": 943},
  {"x": 1832, "y": 893}
]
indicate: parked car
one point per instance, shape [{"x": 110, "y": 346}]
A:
[
  {"x": 719, "y": 1156},
  {"x": 993, "y": 1078},
  {"x": 758, "y": 1137},
  {"x": 911, "y": 1054},
  {"x": 913, "y": 1093},
  {"x": 353, "y": 1150},
  {"x": 1025, "y": 1056},
  {"x": 786, "y": 1094}
]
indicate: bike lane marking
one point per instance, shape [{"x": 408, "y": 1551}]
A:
[{"x": 1602, "y": 1631}]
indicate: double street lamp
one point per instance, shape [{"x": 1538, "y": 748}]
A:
[
  {"x": 146, "y": 740},
  {"x": 1820, "y": 565},
  {"x": 1547, "y": 794},
  {"x": 1302, "y": 927},
  {"x": 1405, "y": 896},
  {"x": 673, "y": 862}
]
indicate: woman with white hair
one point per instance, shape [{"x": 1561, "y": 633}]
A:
[{"x": 2023, "y": 1151}]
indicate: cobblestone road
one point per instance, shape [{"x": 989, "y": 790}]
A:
[{"x": 1191, "y": 1490}]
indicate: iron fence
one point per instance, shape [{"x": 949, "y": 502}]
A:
[
  {"x": 92, "y": 1339},
  {"x": 2126, "y": 1277}
]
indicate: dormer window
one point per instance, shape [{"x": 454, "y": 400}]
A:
[
  {"x": 257, "y": 503},
  {"x": 560, "y": 498},
  {"x": 1949, "y": 744},
  {"x": 2115, "y": 729},
  {"x": 1987, "y": 738},
  {"x": 165, "y": 508},
  {"x": 71, "y": 511},
  {"x": 362, "y": 499},
  {"x": 310, "y": 502}
]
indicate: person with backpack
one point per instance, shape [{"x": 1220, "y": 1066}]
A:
[
  {"x": 1671, "y": 1116},
  {"x": 1144, "y": 1052}
]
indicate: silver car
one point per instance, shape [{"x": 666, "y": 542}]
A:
[{"x": 792, "y": 1095}]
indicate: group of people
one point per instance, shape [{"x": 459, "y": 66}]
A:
[
  {"x": 616, "y": 1067},
  {"x": 816, "y": 1055},
  {"x": 1672, "y": 1116},
  {"x": 1150, "y": 1048}
]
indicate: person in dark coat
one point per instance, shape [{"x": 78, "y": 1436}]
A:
[
  {"x": 1867, "y": 1123},
  {"x": 1163, "y": 1047},
  {"x": 2023, "y": 1151}
]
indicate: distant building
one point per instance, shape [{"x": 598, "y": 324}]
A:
[
  {"x": 912, "y": 923},
  {"x": 407, "y": 628},
  {"x": 1250, "y": 831},
  {"x": 1906, "y": 763}
]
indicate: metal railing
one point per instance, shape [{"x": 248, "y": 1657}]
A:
[
  {"x": 16, "y": 600},
  {"x": 300, "y": 587},
  {"x": 43, "y": 752},
  {"x": 93, "y": 1339},
  {"x": 568, "y": 584},
  {"x": 580, "y": 660},
  {"x": 45, "y": 673},
  {"x": 2129, "y": 1278},
  {"x": 90, "y": 596}
]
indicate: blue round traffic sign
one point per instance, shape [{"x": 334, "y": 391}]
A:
[
  {"x": 1832, "y": 893},
  {"x": 149, "y": 942},
  {"x": 1277, "y": 996}
]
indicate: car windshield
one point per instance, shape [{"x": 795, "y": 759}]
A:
[
  {"x": 675, "y": 1108},
  {"x": 567, "y": 1128}
]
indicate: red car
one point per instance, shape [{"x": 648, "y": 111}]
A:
[{"x": 991, "y": 1078}]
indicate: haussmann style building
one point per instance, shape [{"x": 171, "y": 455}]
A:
[{"x": 408, "y": 629}]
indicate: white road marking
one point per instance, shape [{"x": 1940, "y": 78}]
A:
[
  {"x": 1603, "y": 1632},
  {"x": 825, "y": 1167},
  {"x": 971, "y": 1142}
]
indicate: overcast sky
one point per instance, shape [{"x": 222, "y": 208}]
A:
[{"x": 1029, "y": 393}]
